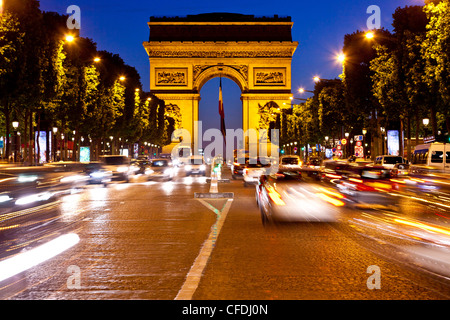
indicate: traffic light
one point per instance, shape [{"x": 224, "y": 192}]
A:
[{"x": 282, "y": 151}]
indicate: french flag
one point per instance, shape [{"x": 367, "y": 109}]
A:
[{"x": 221, "y": 112}]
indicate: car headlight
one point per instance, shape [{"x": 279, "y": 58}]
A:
[
  {"x": 202, "y": 167},
  {"x": 188, "y": 167},
  {"x": 122, "y": 169},
  {"x": 168, "y": 171},
  {"x": 4, "y": 198},
  {"x": 97, "y": 174},
  {"x": 149, "y": 171}
]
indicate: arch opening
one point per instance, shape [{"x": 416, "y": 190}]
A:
[{"x": 209, "y": 106}]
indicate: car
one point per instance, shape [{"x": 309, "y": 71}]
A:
[
  {"x": 332, "y": 171},
  {"x": 160, "y": 169},
  {"x": 388, "y": 161},
  {"x": 290, "y": 161},
  {"x": 139, "y": 166},
  {"x": 285, "y": 197},
  {"x": 238, "y": 166},
  {"x": 97, "y": 173},
  {"x": 195, "y": 165},
  {"x": 29, "y": 200},
  {"x": 253, "y": 171},
  {"x": 118, "y": 165},
  {"x": 312, "y": 167},
  {"x": 369, "y": 186}
]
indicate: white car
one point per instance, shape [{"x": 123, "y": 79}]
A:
[
  {"x": 160, "y": 169},
  {"x": 388, "y": 162},
  {"x": 252, "y": 172},
  {"x": 118, "y": 165},
  {"x": 195, "y": 165},
  {"x": 290, "y": 162}
]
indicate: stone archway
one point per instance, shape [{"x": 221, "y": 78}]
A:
[{"x": 186, "y": 52}]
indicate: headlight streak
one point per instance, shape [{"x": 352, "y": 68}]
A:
[
  {"x": 73, "y": 178},
  {"x": 122, "y": 169},
  {"x": 34, "y": 198},
  {"x": 27, "y": 178},
  {"x": 33, "y": 257}
]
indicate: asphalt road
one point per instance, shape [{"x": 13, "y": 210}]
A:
[{"x": 154, "y": 240}]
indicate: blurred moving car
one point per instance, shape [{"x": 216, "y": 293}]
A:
[
  {"x": 286, "y": 197},
  {"x": 139, "y": 166},
  {"x": 332, "y": 171},
  {"x": 290, "y": 162},
  {"x": 119, "y": 166},
  {"x": 195, "y": 165},
  {"x": 238, "y": 166},
  {"x": 369, "y": 186},
  {"x": 160, "y": 169},
  {"x": 253, "y": 171},
  {"x": 388, "y": 161},
  {"x": 29, "y": 202},
  {"x": 97, "y": 173}
]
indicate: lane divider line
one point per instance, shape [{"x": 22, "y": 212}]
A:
[{"x": 196, "y": 272}]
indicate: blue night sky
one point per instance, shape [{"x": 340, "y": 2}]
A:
[{"x": 120, "y": 27}]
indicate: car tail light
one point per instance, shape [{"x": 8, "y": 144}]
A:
[{"x": 276, "y": 197}]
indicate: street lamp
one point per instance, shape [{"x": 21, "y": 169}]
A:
[
  {"x": 316, "y": 79},
  {"x": 55, "y": 144},
  {"x": 302, "y": 90},
  {"x": 369, "y": 35},
  {"x": 69, "y": 38},
  {"x": 15, "y": 125},
  {"x": 425, "y": 121},
  {"x": 341, "y": 58}
]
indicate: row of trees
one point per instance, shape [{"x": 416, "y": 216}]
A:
[
  {"x": 390, "y": 80},
  {"x": 50, "y": 77}
]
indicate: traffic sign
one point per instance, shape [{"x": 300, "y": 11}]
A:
[
  {"x": 359, "y": 152},
  {"x": 359, "y": 138},
  {"x": 344, "y": 141},
  {"x": 358, "y": 143}
]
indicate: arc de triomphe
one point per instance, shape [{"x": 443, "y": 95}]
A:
[{"x": 186, "y": 52}]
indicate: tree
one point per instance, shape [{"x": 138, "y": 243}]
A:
[
  {"x": 435, "y": 49},
  {"x": 11, "y": 44},
  {"x": 358, "y": 82}
]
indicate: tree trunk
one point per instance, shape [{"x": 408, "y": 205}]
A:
[
  {"x": 408, "y": 136},
  {"x": 8, "y": 132},
  {"x": 38, "y": 152},
  {"x": 31, "y": 140}
]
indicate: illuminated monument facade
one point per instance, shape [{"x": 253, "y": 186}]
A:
[{"x": 186, "y": 52}]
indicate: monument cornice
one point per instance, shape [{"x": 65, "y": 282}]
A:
[{"x": 220, "y": 49}]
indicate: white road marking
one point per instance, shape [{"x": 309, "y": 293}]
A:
[{"x": 195, "y": 273}]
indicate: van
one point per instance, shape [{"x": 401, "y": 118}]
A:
[
  {"x": 434, "y": 155},
  {"x": 388, "y": 161}
]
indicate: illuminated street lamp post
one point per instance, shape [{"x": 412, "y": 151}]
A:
[
  {"x": 15, "y": 125},
  {"x": 55, "y": 143}
]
